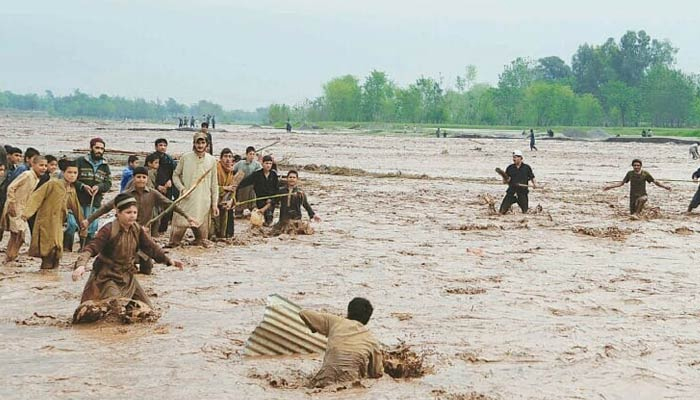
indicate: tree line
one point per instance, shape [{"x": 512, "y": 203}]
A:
[
  {"x": 630, "y": 82},
  {"x": 79, "y": 104}
]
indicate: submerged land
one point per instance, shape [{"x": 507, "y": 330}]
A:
[{"x": 574, "y": 300}]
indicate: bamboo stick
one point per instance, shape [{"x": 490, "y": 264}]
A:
[{"x": 182, "y": 197}]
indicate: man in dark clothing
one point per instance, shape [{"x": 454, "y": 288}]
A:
[
  {"x": 94, "y": 180},
  {"x": 266, "y": 183},
  {"x": 638, "y": 179},
  {"x": 517, "y": 176},
  {"x": 164, "y": 179},
  {"x": 213, "y": 122},
  {"x": 532, "y": 141},
  {"x": 288, "y": 127},
  {"x": 191, "y": 121},
  {"x": 696, "y": 199}
]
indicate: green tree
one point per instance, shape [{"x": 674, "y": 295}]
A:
[
  {"x": 278, "y": 113},
  {"x": 512, "y": 82},
  {"x": 432, "y": 100},
  {"x": 549, "y": 104},
  {"x": 409, "y": 104},
  {"x": 377, "y": 93},
  {"x": 552, "y": 69},
  {"x": 668, "y": 97},
  {"x": 625, "y": 99},
  {"x": 589, "y": 112},
  {"x": 343, "y": 96}
]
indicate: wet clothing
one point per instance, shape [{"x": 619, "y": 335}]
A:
[
  {"x": 264, "y": 186},
  {"x": 532, "y": 142},
  {"x": 17, "y": 195},
  {"x": 638, "y": 187},
  {"x": 515, "y": 192},
  {"x": 223, "y": 224},
  {"x": 352, "y": 352},
  {"x": 50, "y": 204},
  {"x": 290, "y": 206},
  {"x": 201, "y": 201},
  {"x": 246, "y": 193},
  {"x": 115, "y": 249}
]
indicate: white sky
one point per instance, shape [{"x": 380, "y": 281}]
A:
[{"x": 246, "y": 54}]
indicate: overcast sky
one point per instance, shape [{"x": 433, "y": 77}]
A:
[{"x": 246, "y": 54}]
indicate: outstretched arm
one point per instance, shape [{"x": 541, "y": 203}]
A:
[
  {"x": 614, "y": 185},
  {"x": 661, "y": 185}
]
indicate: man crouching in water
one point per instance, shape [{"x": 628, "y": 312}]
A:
[{"x": 352, "y": 352}]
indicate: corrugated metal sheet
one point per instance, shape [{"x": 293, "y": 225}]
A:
[{"x": 282, "y": 332}]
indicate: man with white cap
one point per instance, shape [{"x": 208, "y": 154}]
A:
[{"x": 517, "y": 176}]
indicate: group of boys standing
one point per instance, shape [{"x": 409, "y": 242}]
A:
[{"x": 72, "y": 200}]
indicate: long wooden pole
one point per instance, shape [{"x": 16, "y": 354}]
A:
[{"x": 182, "y": 197}]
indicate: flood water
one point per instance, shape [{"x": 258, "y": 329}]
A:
[{"x": 575, "y": 300}]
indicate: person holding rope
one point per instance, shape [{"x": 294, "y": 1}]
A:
[
  {"x": 517, "y": 176},
  {"x": 638, "y": 179},
  {"x": 266, "y": 183},
  {"x": 248, "y": 165},
  {"x": 202, "y": 202}
]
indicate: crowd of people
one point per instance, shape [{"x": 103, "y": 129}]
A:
[
  {"x": 53, "y": 200},
  {"x": 184, "y": 122}
]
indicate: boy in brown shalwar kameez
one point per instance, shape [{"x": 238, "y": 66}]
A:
[
  {"x": 352, "y": 352},
  {"x": 147, "y": 200},
  {"x": 51, "y": 203},
  {"x": 116, "y": 248}
]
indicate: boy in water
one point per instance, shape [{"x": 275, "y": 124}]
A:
[{"x": 51, "y": 204}]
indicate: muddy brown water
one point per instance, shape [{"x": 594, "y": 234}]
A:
[{"x": 526, "y": 309}]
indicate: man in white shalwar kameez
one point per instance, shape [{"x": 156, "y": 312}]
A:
[{"x": 202, "y": 203}]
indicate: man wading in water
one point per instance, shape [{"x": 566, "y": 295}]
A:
[
  {"x": 352, "y": 352},
  {"x": 638, "y": 179},
  {"x": 517, "y": 175}
]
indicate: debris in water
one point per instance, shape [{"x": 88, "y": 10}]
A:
[
  {"x": 121, "y": 310},
  {"x": 683, "y": 230},
  {"x": 402, "y": 362},
  {"x": 475, "y": 252},
  {"x": 611, "y": 232},
  {"x": 444, "y": 395},
  {"x": 487, "y": 199},
  {"x": 402, "y": 316},
  {"x": 293, "y": 227},
  {"x": 256, "y": 218},
  {"x": 476, "y": 227},
  {"x": 467, "y": 290}
]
